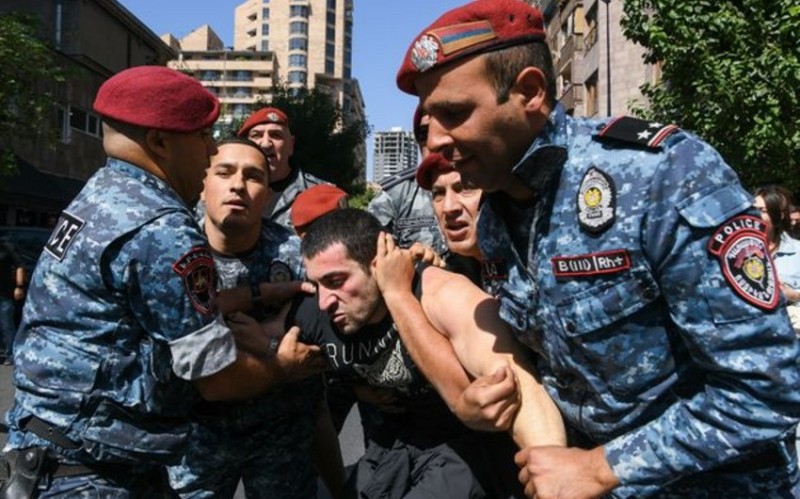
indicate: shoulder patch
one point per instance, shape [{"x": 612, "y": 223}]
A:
[
  {"x": 740, "y": 244},
  {"x": 597, "y": 201},
  {"x": 279, "y": 272},
  {"x": 199, "y": 276},
  {"x": 637, "y": 132},
  {"x": 399, "y": 178},
  {"x": 64, "y": 234}
]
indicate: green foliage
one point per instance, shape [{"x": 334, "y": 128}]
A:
[
  {"x": 731, "y": 73},
  {"x": 325, "y": 145},
  {"x": 360, "y": 196},
  {"x": 27, "y": 77}
]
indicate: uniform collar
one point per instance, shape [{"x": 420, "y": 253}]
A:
[
  {"x": 547, "y": 154},
  {"x": 140, "y": 174}
]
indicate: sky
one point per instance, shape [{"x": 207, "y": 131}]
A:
[{"x": 382, "y": 32}]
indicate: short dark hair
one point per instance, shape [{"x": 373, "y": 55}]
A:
[
  {"x": 503, "y": 66},
  {"x": 245, "y": 142},
  {"x": 356, "y": 229}
]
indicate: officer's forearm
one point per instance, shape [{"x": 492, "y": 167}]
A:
[{"x": 246, "y": 378}]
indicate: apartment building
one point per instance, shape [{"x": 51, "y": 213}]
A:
[
  {"x": 91, "y": 40},
  {"x": 598, "y": 71},
  {"x": 394, "y": 151}
]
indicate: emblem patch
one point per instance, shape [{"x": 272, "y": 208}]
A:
[
  {"x": 196, "y": 268},
  {"x": 606, "y": 262},
  {"x": 597, "y": 201},
  {"x": 740, "y": 245},
  {"x": 273, "y": 117},
  {"x": 64, "y": 234},
  {"x": 279, "y": 272},
  {"x": 462, "y": 36},
  {"x": 425, "y": 53}
]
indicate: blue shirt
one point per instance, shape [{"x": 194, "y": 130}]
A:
[
  {"x": 119, "y": 320},
  {"x": 645, "y": 339}
]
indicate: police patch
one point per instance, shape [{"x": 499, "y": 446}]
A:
[
  {"x": 606, "y": 262},
  {"x": 279, "y": 272},
  {"x": 740, "y": 244},
  {"x": 197, "y": 270},
  {"x": 597, "y": 199},
  {"x": 425, "y": 53},
  {"x": 64, "y": 234}
]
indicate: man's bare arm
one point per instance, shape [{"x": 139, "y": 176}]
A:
[{"x": 483, "y": 343}]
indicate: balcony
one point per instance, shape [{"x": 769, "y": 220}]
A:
[
  {"x": 572, "y": 45},
  {"x": 590, "y": 39}
]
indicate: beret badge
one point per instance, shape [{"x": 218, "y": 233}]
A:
[
  {"x": 425, "y": 53},
  {"x": 273, "y": 117}
]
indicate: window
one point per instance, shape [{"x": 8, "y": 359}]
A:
[
  {"x": 265, "y": 29},
  {"x": 298, "y": 44},
  {"x": 297, "y": 61},
  {"x": 591, "y": 95},
  {"x": 265, "y": 13},
  {"x": 330, "y": 33},
  {"x": 265, "y": 45},
  {"x": 330, "y": 50},
  {"x": 298, "y": 11},
  {"x": 329, "y": 67},
  {"x": 297, "y": 77},
  {"x": 298, "y": 28},
  {"x": 331, "y": 18},
  {"x": 331, "y": 4},
  {"x": 84, "y": 121}
]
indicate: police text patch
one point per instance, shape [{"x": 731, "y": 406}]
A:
[
  {"x": 197, "y": 270},
  {"x": 597, "y": 201},
  {"x": 64, "y": 234},
  {"x": 606, "y": 262},
  {"x": 740, "y": 244}
]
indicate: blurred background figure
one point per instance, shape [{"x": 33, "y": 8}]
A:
[
  {"x": 775, "y": 204},
  {"x": 794, "y": 221},
  {"x": 12, "y": 290}
]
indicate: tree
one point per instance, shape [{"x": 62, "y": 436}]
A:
[
  {"x": 325, "y": 145},
  {"x": 27, "y": 77},
  {"x": 730, "y": 73}
]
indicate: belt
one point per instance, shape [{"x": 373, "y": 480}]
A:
[{"x": 45, "y": 430}]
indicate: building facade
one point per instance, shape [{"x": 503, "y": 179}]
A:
[
  {"x": 598, "y": 71},
  {"x": 395, "y": 150},
  {"x": 91, "y": 40}
]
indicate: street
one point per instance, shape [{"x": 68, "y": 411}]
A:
[{"x": 350, "y": 438}]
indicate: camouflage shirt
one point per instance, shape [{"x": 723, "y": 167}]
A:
[
  {"x": 119, "y": 320},
  {"x": 640, "y": 276},
  {"x": 405, "y": 210}
]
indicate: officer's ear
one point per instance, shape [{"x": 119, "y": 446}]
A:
[
  {"x": 157, "y": 142},
  {"x": 531, "y": 88}
]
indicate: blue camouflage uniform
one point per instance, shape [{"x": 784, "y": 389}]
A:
[
  {"x": 641, "y": 278},
  {"x": 405, "y": 210},
  {"x": 118, "y": 323},
  {"x": 267, "y": 441},
  {"x": 285, "y": 192}
]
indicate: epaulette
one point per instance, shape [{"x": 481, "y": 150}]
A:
[
  {"x": 399, "y": 178},
  {"x": 638, "y": 132}
]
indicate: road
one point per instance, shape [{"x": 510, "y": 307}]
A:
[{"x": 350, "y": 438}]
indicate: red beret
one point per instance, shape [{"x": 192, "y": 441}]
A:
[
  {"x": 475, "y": 28},
  {"x": 157, "y": 97},
  {"x": 433, "y": 162},
  {"x": 263, "y": 115},
  {"x": 316, "y": 201}
]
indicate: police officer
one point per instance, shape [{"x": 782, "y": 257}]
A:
[
  {"x": 403, "y": 208},
  {"x": 637, "y": 271},
  {"x": 266, "y": 442},
  {"x": 119, "y": 333},
  {"x": 269, "y": 128}
]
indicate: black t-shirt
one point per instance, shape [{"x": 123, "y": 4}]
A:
[{"x": 376, "y": 356}]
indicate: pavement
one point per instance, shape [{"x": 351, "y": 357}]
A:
[{"x": 350, "y": 439}]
